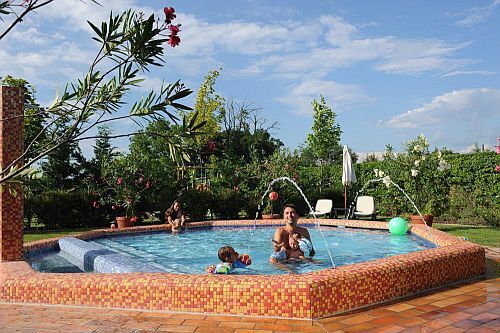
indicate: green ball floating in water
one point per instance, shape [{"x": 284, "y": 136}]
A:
[{"x": 398, "y": 226}]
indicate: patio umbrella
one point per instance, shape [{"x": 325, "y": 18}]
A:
[{"x": 348, "y": 175}]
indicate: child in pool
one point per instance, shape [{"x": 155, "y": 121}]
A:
[
  {"x": 299, "y": 248},
  {"x": 230, "y": 260}
]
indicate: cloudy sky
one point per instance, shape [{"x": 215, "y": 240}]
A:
[{"x": 389, "y": 69}]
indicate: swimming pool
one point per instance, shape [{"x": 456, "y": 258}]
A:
[
  {"x": 308, "y": 295},
  {"x": 191, "y": 251}
]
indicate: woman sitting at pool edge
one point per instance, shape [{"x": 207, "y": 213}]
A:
[{"x": 175, "y": 216}]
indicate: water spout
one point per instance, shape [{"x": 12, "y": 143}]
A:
[
  {"x": 388, "y": 181},
  {"x": 308, "y": 205}
]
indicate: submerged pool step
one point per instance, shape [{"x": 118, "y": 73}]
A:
[
  {"x": 95, "y": 258},
  {"x": 132, "y": 252},
  {"x": 124, "y": 249}
]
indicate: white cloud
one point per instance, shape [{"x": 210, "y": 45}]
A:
[
  {"x": 248, "y": 38},
  {"x": 417, "y": 56},
  {"x": 477, "y": 15},
  {"x": 480, "y": 73},
  {"x": 337, "y": 95},
  {"x": 455, "y": 119},
  {"x": 78, "y": 12},
  {"x": 339, "y": 31},
  {"x": 389, "y": 54}
]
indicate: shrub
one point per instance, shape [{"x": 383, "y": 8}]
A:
[
  {"x": 63, "y": 210},
  {"x": 197, "y": 203},
  {"x": 227, "y": 204}
]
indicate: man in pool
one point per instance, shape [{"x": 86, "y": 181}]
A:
[{"x": 282, "y": 234}]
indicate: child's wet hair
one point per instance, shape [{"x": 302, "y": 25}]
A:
[{"x": 225, "y": 252}]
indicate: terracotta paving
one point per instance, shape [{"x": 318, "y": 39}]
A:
[{"x": 466, "y": 307}]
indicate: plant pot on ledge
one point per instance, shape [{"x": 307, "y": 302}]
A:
[
  {"x": 416, "y": 219},
  {"x": 124, "y": 222},
  {"x": 270, "y": 216}
]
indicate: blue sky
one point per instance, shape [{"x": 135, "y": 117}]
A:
[{"x": 389, "y": 69}]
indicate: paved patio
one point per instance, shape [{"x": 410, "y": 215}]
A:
[{"x": 467, "y": 307}]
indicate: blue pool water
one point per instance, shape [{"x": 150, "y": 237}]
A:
[{"x": 193, "y": 250}]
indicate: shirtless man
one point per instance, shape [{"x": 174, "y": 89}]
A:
[{"x": 282, "y": 234}]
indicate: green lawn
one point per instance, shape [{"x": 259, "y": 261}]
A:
[
  {"x": 488, "y": 236},
  {"x": 34, "y": 236}
]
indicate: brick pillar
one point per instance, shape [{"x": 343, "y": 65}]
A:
[{"x": 11, "y": 147}]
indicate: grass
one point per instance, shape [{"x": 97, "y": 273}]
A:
[
  {"x": 488, "y": 236},
  {"x": 39, "y": 235}
]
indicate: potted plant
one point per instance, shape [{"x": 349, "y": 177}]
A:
[
  {"x": 124, "y": 186},
  {"x": 425, "y": 179},
  {"x": 268, "y": 212},
  {"x": 427, "y": 215}
]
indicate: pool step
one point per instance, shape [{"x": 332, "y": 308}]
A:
[
  {"x": 131, "y": 252},
  {"x": 95, "y": 258}
]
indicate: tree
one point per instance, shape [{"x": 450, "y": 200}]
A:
[
  {"x": 104, "y": 153},
  {"x": 129, "y": 43},
  {"x": 63, "y": 168},
  {"x": 324, "y": 142},
  {"x": 207, "y": 105},
  {"x": 103, "y": 150}
]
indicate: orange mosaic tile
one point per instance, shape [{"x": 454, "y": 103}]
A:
[
  {"x": 11, "y": 148},
  {"x": 316, "y": 295}
]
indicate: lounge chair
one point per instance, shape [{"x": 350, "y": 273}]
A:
[
  {"x": 323, "y": 207},
  {"x": 365, "y": 207}
]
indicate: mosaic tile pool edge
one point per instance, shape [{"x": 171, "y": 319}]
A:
[{"x": 312, "y": 295}]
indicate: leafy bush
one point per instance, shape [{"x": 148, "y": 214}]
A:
[
  {"x": 227, "y": 204},
  {"x": 197, "y": 203},
  {"x": 62, "y": 210}
]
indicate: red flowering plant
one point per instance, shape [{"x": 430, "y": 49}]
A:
[{"x": 124, "y": 187}]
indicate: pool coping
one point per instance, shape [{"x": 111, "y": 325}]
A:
[{"x": 310, "y": 295}]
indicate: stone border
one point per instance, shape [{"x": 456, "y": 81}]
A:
[{"x": 311, "y": 295}]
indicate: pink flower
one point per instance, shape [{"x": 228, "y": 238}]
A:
[
  {"x": 174, "y": 29},
  {"x": 174, "y": 40},
  {"x": 133, "y": 219},
  {"x": 95, "y": 204},
  {"x": 497, "y": 168},
  {"x": 113, "y": 207},
  {"x": 148, "y": 185},
  {"x": 211, "y": 145},
  {"x": 169, "y": 14},
  {"x": 119, "y": 181}
]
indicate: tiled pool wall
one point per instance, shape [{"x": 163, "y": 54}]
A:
[{"x": 311, "y": 295}]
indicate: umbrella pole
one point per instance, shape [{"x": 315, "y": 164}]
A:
[{"x": 345, "y": 197}]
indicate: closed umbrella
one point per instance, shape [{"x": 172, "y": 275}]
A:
[{"x": 348, "y": 175}]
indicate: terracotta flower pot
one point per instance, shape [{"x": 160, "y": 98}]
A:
[
  {"x": 270, "y": 216},
  {"x": 124, "y": 222},
  {"x": 416, "y": 219}
]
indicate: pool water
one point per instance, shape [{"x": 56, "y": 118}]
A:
[{"x": 192, "y": 250}]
